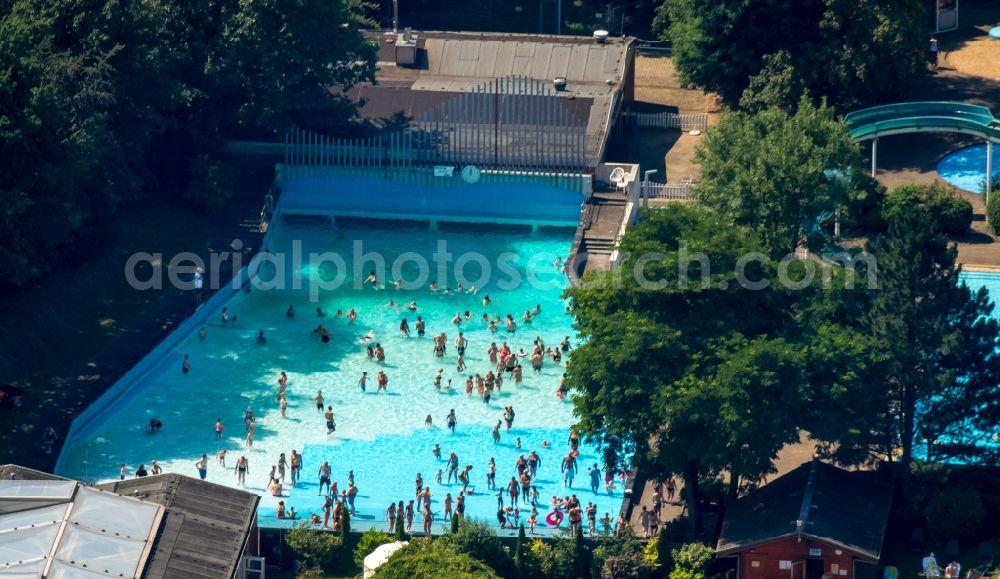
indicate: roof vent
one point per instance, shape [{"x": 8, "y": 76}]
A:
[
  {"x": 600, "y": 36},
  {"x": 559, "y": 83},
  {"x": 406, "y": 48}
]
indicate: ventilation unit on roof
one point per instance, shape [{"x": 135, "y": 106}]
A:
[
  {"x": 406, "y": 48},
  {"x": 559, "y": 83},
  {"x": 600, "y": 36}
]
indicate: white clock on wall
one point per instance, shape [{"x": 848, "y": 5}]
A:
[{"x": 470, "y": 174}]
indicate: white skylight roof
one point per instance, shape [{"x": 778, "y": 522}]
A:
[
  {"x": 88, "y": 534},
  {"x": 37, "y": 488}
]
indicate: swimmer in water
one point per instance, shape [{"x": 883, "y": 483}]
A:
[
  {"x": 368, "y": 337},
  {"x": 404, "y": 328},
  {"x": 290, "y": 312},
  {"x": 352, "y": 315},
  {"x": 372, "y": 279},
  {"x": 557, "y": 263},
  {"x": 398, "y": 283},
  {"x": 392, "y": 304},
  {"x": 457, "y": 319},
  {"x": 320, "y": 313},
  {"x": 412, "y": 306},
  {"x": 537, "y": 310},
  {"x": 433, "y": 286},
  {"x": 260, "y": 337},
  {"x": 202, "y": 333},
  {"x": 486, "y": 300}
]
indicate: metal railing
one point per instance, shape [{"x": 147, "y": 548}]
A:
[
  {"x": 678, "y": 192},
  {"x": 667, "y": 120}
]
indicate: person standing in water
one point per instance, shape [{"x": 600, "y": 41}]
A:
[
  {"x": 363, "y": 381},
  {"x": 451, "y": 421},
  {"x": 496, "y": 433},
  {"x": 241, "y": 470}
]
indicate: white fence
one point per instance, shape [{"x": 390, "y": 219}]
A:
[
  {"x": 653, "y": 190},
  {"x": 667, "y": 120}
]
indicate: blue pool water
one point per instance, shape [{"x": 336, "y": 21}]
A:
[
  {"x": 966, "y": 168},
  {"x": 381, "y": 436}
]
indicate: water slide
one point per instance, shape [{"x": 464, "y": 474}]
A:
[
  {"x": 919, "y": 117},
  {"x": 924, "y": 116}
]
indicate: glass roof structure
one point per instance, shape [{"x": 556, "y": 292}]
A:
[{"x": 64, "y": 530}]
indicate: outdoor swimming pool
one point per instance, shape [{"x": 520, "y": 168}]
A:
[
  {"x": 381, "y": 436},
  {"x": 965, "y": 168}
]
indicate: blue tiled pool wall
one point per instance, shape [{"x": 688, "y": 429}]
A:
[{"x": 531, "y": 199}]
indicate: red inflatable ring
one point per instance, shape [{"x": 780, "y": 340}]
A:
[{"x": 554, "y": 518}]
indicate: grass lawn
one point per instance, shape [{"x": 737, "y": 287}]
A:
[{"x": 55, "y": 335}]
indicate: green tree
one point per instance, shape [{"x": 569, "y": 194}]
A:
[
  {"x": 400, "y": 533},
  {"x": 779, "y": 174},
  {"x": 939, "y": 371},
  {"x": 689, "y": 377},
  {"x": 951, "y": 212},
  {"x": 769, "y": 51},
  {"x": 428, "y": 558},
  {"x": 519, "y": 548},
  {"x": 313, "y": 546},
  {"x": 478, "y": 540},
  {"x": 993, "y": 211},
  {"x": 369, "y": 541}
]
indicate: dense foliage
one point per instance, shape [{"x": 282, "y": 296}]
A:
[
  {"x": 370, "y": 540},
  {"x": 938, "y": 372},
  {"x": 695, "y": 368},
  {"x": 433, "y": 558},
  {"x": 314, "y": 547},
  {"x": 764, "y": 53},
  {"x": 479, "y": 540},
  {"x": 99, "y": 98},
  {"x": 993, "y": 212},
  {"x": 952, "y": 213},
  {"x": 779, "y": 174}
]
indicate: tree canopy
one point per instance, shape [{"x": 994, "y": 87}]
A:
[
  {"x": 767, "y": 52},
  {"x": 429, "y": 558},
  {"x": 938, "y": 372},
  {"x": 688, "y": 363},
  {"x": 99, "y": 99},
  {"x": 779, "y": 174}
]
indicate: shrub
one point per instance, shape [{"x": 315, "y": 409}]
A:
[
  {"x": 952, "y": 213},
  {"x": 314, "y": 547},
  {"x": 993, "y": 212},
  {"x": 478, "y": 540},
  {"x": 310, "y": 573},
  {"x": 369, "y": 541},
  {"x": 956, "y": 512},
  {"x": 616, "y": 558},
  {"x": 428, "y": 558},
  {"x": 693, "y": 557}
]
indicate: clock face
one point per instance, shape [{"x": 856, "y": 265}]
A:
[{"x": 470, "y": 174}]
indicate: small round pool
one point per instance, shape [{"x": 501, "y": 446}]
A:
[{"x": 966, "y": 168}]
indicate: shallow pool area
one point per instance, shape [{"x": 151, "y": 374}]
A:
[
  {"x": 965, "y": 168},
  {"x": 381, "y": 436}
]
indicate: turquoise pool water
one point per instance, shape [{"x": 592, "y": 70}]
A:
[
  {"x": 965, "y": 168},
  {"x": 381, "y": 436}
]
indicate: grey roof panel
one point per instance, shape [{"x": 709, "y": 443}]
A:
[
  {"x": 578, "y": 63},
  {"x": 505, "y": 59},
  {"x": 487, "y": 59},
  {"x": 559, "y": 64},
  {"x": 540, "y": 62}
]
